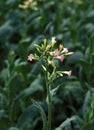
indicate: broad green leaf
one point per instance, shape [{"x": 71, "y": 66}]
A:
[
  {"x": 43, "y": 116},
  {"x": 86, "y": 103},
  {"x": 27, "y": 118},
  {"x": 34, "y": 87}
]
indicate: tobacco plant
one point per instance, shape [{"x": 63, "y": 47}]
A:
[{"x": 46, "y": 55}]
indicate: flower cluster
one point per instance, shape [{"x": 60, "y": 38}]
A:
[
  {"x": 59, "y": 54},
  {"x": 48, "y": 53},
  {"x": 29, "y": 3}
]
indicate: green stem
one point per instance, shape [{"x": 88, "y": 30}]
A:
[
  {"x": 49, "y": 103},
  {"x": 49, "y": 109}
]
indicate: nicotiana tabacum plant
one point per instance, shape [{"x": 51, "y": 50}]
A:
[{"x": 46, "y": 55}]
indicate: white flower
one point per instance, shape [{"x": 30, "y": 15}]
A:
[{"x": 53, "y": 40}]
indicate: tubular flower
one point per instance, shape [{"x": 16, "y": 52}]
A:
[
  {"x": 67, "y": 72},
  {"x": 55, "y": 53},
  {"x": 61, "y": 58},
  {"x": 65, "y": 50}
]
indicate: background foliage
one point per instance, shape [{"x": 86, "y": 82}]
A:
[{"x": 72, "y": 23}]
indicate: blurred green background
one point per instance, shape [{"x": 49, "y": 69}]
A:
[{"x": 24, "y": 23}]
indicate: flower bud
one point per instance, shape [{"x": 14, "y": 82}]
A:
[
  {"x": 53, "y": 40},
  {"x": 60, "y": 47}
]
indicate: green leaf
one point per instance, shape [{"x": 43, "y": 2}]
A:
[
  {"x": 2, "y": 91},
  {"x": 67, "y": 123},
  {"x": 53, "y": 91},
  {"x": 34, "y": 87},
  {"x": 86, "y": 103},
  {"x": 91, "y": 43},
  {"x": 43, "y": 115},
  {"x": 88, "y": 125},
  {"x": 2, "y": 113},
  {"x": 28, "y": 118},
  {"x": 38, "y": 48},
  {"x": 13, "y": 128}
]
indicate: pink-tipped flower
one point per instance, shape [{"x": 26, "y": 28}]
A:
[
  {"x": 30, "y": 57},
  {"x": 67, "y": 72},
  {"x": 56, "y": 53},
  {"x": 65, "y": 50},
  {"x": 61, "y": 58}
]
